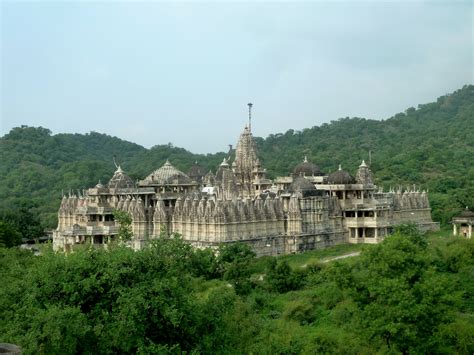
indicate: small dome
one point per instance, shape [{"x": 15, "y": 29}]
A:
[
  {"x": 307, "y": 169},
  {"x": 303, "y": 187},
  {"x": 466, "y": 213},
  {"x": 340, "y": 177},
  {"x": 301, "y": 184},
  {"x": 119, "y": 180}
]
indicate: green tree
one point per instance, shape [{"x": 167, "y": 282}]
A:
[
  {"x": 9, "y": 235},
  {"x": 124, "y": 219},
  {"x": 281, "y": 278},
  {"x": 402, "y": 297},
  {"x": 234, "y": 265}
]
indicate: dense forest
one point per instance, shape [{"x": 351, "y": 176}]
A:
[
  {"x": 431, "y": 146},
  {"x": 409, "y": 294}
]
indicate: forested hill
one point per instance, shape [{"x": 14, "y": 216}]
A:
[
  {"x": 37, "y": 167},
  {"x": 432, "y": 145}
]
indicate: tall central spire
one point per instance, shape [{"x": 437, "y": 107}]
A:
[
  {"x": 246, "y": 162},
  {"x": 250, "y": 115}
]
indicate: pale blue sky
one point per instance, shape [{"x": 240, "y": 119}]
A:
[{"x": 183, "y": 72}]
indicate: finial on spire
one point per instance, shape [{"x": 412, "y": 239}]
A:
[
  {"x": 115, "y": 163},
  {"x": 250, "y": 115},
  {"x": 305, "y": 159},
  {"x": 340, "y": 167}
]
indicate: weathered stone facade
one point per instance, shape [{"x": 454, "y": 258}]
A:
[{"x": 303, "y": 211}]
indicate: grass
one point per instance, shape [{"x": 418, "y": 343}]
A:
[
  {"x": 308, "y": 257},
  {"x": 313, "y": 256}
]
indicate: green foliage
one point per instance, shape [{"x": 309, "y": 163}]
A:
[
  {"x": 23, "y": 221},
  {"x": 109, "y": 301},
  {"x": 205, "y": 263},
  {"x": 301, "y": 311},
  {"x": 281, "y": 278},
  {"x": 124, "y": 219},
  {"x": 235, "y": 253},
  {"x": 9, "y": 235},
  {"x": 401, "y": 295},
  {"x": 409, "y": 294},
  {"x": 233, "y": 262}
]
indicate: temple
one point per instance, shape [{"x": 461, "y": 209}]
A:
[{"x": 307, "y": 209}]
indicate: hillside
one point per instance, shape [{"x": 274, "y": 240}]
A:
[{"x": 432, "y": 145}]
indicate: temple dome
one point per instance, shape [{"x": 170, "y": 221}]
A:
[
  {"x": 340, "y": 177},
  {"x": 120, "y": 180},
  {"x": 168, "y": 175},
  {"x": 307, "y": 169},
  {"x": 301, "y": 184},
  {"x": 466, "y": 213},
  {"x": 303, "y": 187}
]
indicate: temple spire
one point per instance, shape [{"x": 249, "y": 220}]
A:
[{"x": 250, "y": 116}]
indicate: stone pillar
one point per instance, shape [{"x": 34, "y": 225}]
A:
[
  {"x": 455, "y": 229},
  {"x": 469, "y": 233}
]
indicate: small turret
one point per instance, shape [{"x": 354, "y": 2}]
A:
[{"x": 364, "y": 175}]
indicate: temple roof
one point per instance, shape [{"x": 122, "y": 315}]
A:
[
  {"x": 340, "y": 177},
  {"x": 466, "y": 214},
  {"x": 120, "y": 180},
  {"x": 307, "y": 169},
  {"x": 301, "y": 184},
  {"x": 167, "y": 175},
  {"x": 246, "y": 153}
]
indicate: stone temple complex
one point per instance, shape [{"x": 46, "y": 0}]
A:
[{"x": 306, "y": 210}]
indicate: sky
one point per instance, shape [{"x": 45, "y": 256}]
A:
[{"x": 183, "y": 72}]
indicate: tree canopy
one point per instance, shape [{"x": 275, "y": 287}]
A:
[{"x": 408, "y": 294}]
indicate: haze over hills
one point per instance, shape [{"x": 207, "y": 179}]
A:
[{"x": 432, "y": 146}]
